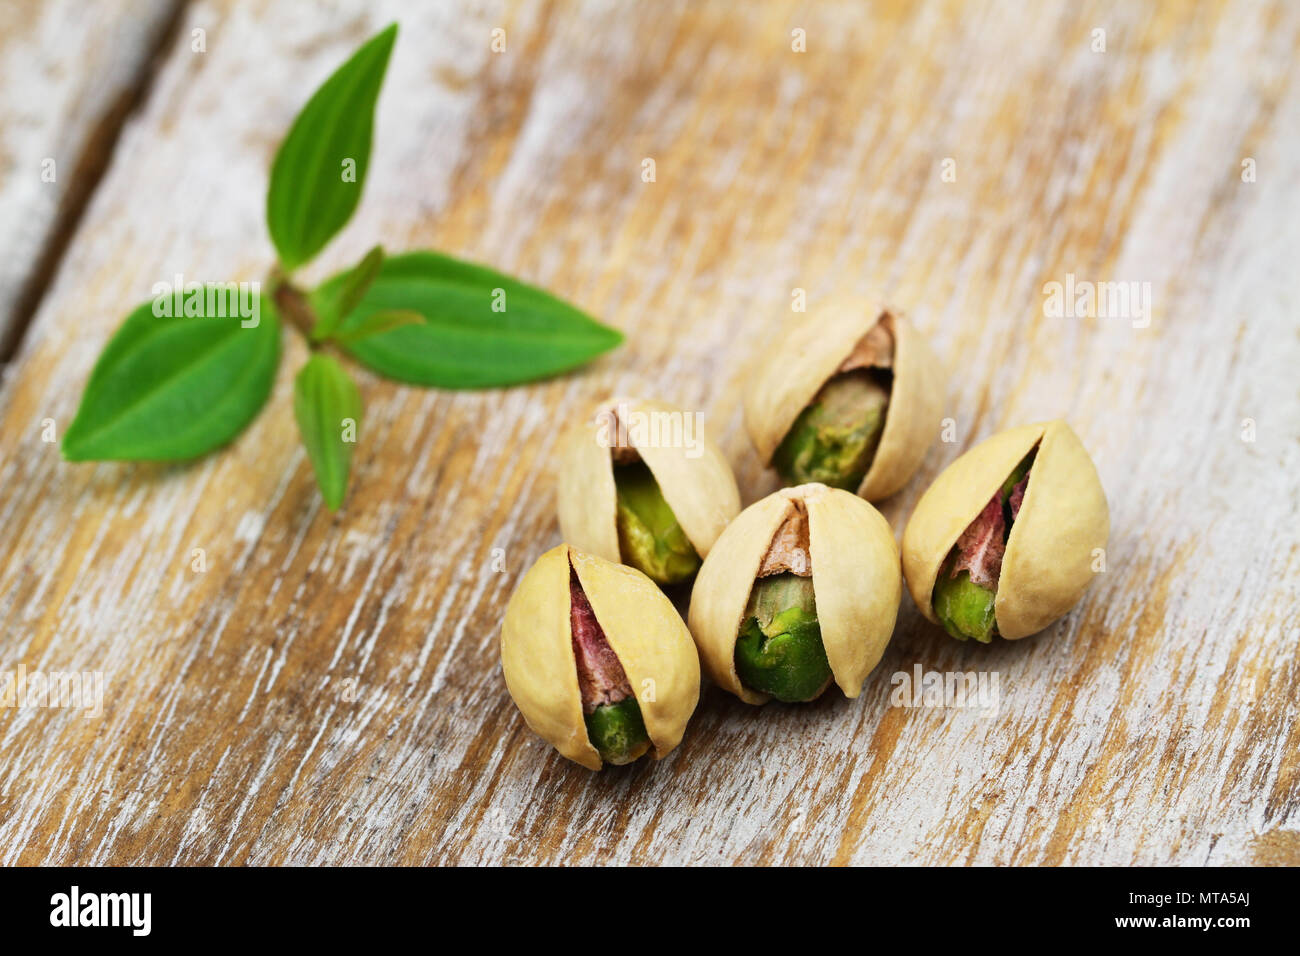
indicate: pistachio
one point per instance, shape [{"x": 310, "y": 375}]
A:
[
  {"x": 850, "y": 397},
  {"x": 638, "y": 483},
  {"x": 805, "y": 570},
  {"x": 650, "y": 538},
  {"x": 598, "y": 660},
  {"x": 1004, "y": 542}
]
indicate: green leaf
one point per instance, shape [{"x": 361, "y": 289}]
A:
[
  {"x": 309, "y": 199},
  {"x": 465, "y": 342},
  {"x": 377, "y": 323},
  {"x": 169, "y": 388},
  {"x": 353, "y": 288},
  {"x": 328, "y": 408}
]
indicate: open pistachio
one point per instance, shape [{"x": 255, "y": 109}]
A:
[
  {"x": 801, "y": 589},
  {"x": 1006, "y": 539},
  {"x": 638, "y": 483},
  {"x": 598, "y": 660},
  {"x": 849, "y": 397}
]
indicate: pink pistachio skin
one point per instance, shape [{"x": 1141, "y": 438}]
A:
[
  {"x": 601, "y": 678},
  {"x": 980, "y": 547}
]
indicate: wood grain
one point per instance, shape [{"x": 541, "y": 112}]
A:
[
  {"x": 327, "y": 691},
  {"x": 70, "y": 72}
]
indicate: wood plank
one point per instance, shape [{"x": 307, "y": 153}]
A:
[
  {"x": 327, "y": 691},
  {"x": 70, "y": 72}
]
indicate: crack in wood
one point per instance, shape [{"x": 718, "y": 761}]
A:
[{"x": 94, "y": 160}]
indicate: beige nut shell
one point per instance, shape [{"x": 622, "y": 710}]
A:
[
  {"x": 1050, "y": 551},
  {"x": 856, "y": 583},
  {"x": 701, "y": 490},
  {"x": 642, "y": 627},
  {"x": 795, "y": 368}
]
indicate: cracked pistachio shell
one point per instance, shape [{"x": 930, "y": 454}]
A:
[
  {"x": 1049, "y": 554},
  {"x": 856, "y": 583},
  {"x": 796, "y": 366},
  {"x": 642, "y": 627},
  {"x": 696, "y": 482}
]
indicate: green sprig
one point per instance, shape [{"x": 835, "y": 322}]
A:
[{"x": 173, "y": 387}]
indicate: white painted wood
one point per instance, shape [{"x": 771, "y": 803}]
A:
[
  {"x": 68, "y": 70},
  {"x": 327, "y": 691}
]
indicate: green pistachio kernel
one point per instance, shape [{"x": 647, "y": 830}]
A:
[
  {"x": 618, "y": 732},
  {"x": 834, "y": 439},
  {"x": 649, "y": 537},
  {"x": 779, "y": 650},
  {"x": 964, "y": 608}
]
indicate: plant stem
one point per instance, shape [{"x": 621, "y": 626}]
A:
[{"x": 292, "y": 303}]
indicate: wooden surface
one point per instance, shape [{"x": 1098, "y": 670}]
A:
[
  {"x": 71, "y": 73},
  {"x": 328, "y": 691}
]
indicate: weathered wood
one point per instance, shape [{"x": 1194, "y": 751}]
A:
[
  {"x": 327, "y": 691},
  {"x": 70, "y": 72}
]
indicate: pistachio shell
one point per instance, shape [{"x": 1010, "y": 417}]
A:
[
  {"x": 793, "y": 370},
  {"x": 585, "y": 496},
  {"x": 856, "y": 582},
  {"x": 854, "y": 564},
  {"x": 699, "y": 488},
  {"x": 913, "y": 416},
  {"x": 1049, "y": 556},
  {"x": 652, "y": 644},
  {"x": 642, "y": 627},
  {"x": 794, "y": 367},
  {"x": 1048, "y": 559},
  {"x": 537, "y": 658}
]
